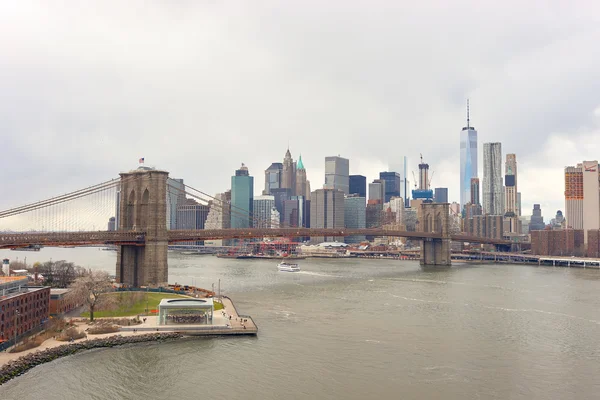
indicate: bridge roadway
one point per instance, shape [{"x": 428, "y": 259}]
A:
[{"x": 49, "y": 239}]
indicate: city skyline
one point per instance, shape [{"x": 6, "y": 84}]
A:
[{"x": 90, "y": 103}]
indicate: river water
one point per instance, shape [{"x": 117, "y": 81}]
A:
[{"x": 354, "y": 329}]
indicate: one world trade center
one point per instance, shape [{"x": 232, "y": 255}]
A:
[{"x": 468, "y": 160}]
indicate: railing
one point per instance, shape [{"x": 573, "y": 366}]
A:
[
  {"x": 9, "y": 240},
  {"x": 11, "y": 342},
  {"x": 213, "y": 234},
  {"x": 248, "y": 317},
  {"x": 151, "y": 290}
]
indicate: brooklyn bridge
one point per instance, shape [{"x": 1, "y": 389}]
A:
[{"x": 142, "y": 237}]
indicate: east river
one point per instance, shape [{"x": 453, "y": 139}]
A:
[{"x": 353, "y": 329}]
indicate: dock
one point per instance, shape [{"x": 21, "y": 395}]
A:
[{"x": 517, "y": 258}]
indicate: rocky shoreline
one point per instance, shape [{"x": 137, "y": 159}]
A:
[{"x": 23, "y": 364}]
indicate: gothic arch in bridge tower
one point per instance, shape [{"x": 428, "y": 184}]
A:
[
  {"x": 438, "y": 228},
  {"x": 428, "y": 223},
  {"x": 142, "y": 222},
  {"x": 130, "y": 211}
]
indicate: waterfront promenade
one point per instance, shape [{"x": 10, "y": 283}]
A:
[{"x": 222, "y": 325}]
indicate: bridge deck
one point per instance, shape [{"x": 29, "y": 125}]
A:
[{"x": 12, "y": 240}]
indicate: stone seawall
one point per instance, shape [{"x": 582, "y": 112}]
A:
[{"x": 23, "y": 364}]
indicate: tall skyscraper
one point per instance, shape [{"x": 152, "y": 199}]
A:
[
  {"x": 263, "y": 206},
  {"x": 111, "y": 224},
  {"x": 423, "y": 175},
  {"x": 400, "y": 164},
  {"x": 582, "y": 197},
  {"x": 405, "y": 192},
  {"x": 574, "y": 197},
  {"x": 374, "y": 216},
  {"x": 296, "y": 213},
  {"x": 327, "y": 210},
  {"x": 468, "y": 159},
  {"x": 302, "y": 184},
  {"x": 242, "y": 196},
  {"x": 281, "y": 195},
  {"x": 492, "y": 179},
  {"x": 510, "y": 182},
  {"x": 423, "y": 193},
  {"x": 537, "y": 221},
  {"x": 358, "y": 185},
  {"x": 288, "y": 173},
  {"x": 475, "y": 191},
  {"x": 192, "y": 215},
  {"x": 355, "y": 214},
  {"x": 591, "y": 197},
  {"x": 441, "y": 195},
  {"x": 273, "y": 176},
  {"x": 511, "y": 203},
  {"x": 337, "y": 174},
  {"x": 377, "y": 191},
  {"x": 392, "y": 184},
  {"x": 219, "y": 216}
]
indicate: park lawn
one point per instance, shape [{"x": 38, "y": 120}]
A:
[{"x": 139, "y": 307}]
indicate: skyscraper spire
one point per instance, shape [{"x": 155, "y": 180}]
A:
[
  {"x": 300, "y": 164},
  {"x": 468, "y": 121}
]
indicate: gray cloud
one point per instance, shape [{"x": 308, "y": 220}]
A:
[{"x": 199, "y": 87}]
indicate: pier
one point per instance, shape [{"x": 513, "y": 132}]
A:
[{"x": 517, "y": 258}]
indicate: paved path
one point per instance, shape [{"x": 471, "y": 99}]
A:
[
  {"x": 221, "y": 317},
  {"x": 236, "y": 321},
  {"x": 5, "y": 356}
]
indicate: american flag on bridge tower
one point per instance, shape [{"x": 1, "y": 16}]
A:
[{"x": 142, "y": 160}]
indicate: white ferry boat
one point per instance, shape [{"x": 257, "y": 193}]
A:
[{"x": 288, "y": 267}]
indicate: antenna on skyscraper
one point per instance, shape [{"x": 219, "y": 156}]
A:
[{"x": 468, "y": 121}]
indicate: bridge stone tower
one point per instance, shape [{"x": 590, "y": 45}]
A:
[
  {"x": 143, "y": 208},
  {"x": 435, "y": 217}
]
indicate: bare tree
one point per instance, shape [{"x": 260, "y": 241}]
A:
[
  {"x": 90, "y": 289},
  {"x": 60, "y": 273}
]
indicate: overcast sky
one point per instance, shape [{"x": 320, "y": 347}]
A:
[{"x": 198, "y": 87}]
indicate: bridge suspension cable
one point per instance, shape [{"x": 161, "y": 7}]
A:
[
  {"x": 60, "y": 199},
  {"x": 234, "y": 210},
  {"x": 84, "y": 209},
  {"x": 214, "y": 202}
]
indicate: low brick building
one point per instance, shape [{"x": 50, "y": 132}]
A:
[
  {"x": 593, "y": 245},
  {"x": 61, "y": 302},
  {"x": 22, "y": 307},
  {"x": 563, "y": 242}
]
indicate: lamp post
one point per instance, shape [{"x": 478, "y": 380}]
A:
[{"x": 17, "y": 313}]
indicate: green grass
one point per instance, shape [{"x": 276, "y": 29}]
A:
[{"x": 137, "y": 308}]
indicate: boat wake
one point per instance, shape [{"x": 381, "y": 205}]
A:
[{"x": 317, "y": 274}]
